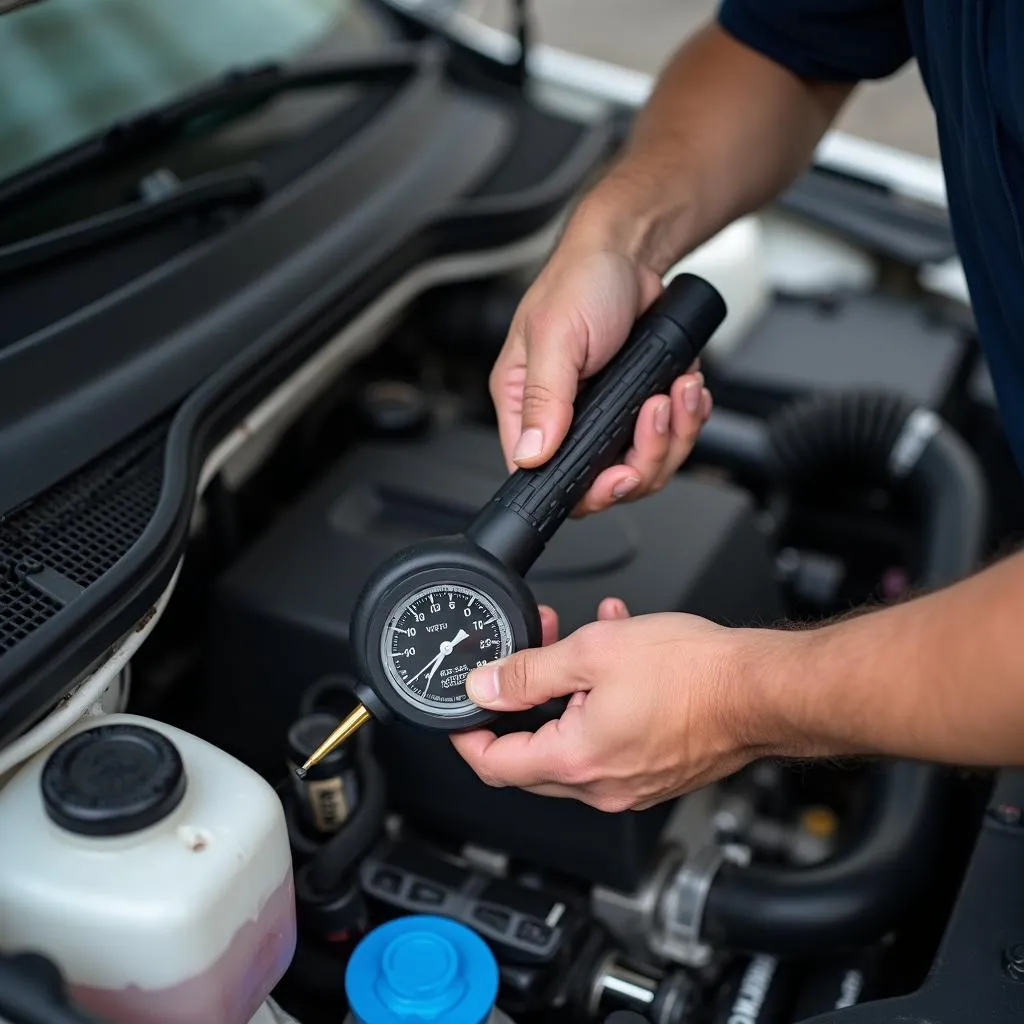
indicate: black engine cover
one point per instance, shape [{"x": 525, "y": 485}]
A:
[{"x": 280, "y": 622}]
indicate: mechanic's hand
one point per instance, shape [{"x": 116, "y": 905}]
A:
[
  {"x": 652, "y": 713},
  {"x": 574, "y": 318}
]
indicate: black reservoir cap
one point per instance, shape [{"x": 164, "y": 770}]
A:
[{"x": 113, "y": 780}]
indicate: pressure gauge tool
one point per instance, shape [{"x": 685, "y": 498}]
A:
[{"x": 439, "y": 609}]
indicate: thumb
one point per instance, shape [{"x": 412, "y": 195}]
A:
[
  {"x": 555, "y": 357},
  {"x": 524, "y": 680}
]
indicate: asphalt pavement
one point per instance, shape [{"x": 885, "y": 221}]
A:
[{"x": 642, "y": 34}]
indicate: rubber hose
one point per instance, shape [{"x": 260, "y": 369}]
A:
[
  {"x": 850, "y": 901},
  {"x": 857, "y": 896},
  {"x": 736, "y": 442},
  {"x": 836, "y": 433},
  {"x": 862, "y": 436},
  {"x": 333, "y": 862}
]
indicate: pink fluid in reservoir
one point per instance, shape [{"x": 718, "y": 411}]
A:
[{"x": 230, "y": 991}]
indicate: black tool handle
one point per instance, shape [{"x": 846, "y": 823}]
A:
[{"x": 531, "y": 505}]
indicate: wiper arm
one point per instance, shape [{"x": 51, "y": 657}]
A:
[
  {"x": 235, "y": 89},
  {"x": 241, "y": 186}
]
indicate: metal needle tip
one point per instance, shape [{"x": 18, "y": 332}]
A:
[{"x": 350, "y": 724}]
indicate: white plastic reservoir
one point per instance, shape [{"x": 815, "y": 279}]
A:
[
  {"x": 153, "y": 868},
  {"x": 734, "y": 262}
]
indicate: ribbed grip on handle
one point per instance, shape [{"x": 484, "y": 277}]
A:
[{"x": 661, "y": 346}]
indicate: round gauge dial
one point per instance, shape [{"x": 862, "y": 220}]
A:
[{"x": 435, "y": 637}]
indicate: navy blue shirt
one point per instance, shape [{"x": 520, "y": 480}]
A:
[{"x": 971, "y": 56}]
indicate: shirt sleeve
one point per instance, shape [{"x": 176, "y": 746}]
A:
[{"x": 828, "y": 40}]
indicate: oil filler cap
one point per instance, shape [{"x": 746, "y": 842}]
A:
[
  {"x": 422, "y": 968},
  {"x": 113, "y": 780}
]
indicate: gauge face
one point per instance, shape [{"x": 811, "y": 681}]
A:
[{"x": 435, "y": 637}]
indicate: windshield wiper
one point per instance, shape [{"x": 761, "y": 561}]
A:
[
  {"x": 238, "y": 88},
  {"x": 236, "y": 187}
]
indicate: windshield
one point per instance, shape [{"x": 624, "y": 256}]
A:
[{"x": 70, "y": 68}]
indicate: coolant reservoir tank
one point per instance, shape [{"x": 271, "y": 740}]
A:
[
  {"x": 422, "y": 968},
  {"x": 153, "y": 868}
]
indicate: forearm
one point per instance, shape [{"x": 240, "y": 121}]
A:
[
  {"x": 724, "y": 131},
  {"x": 940, "y": 678}
]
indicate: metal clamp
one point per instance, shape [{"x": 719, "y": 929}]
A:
[
  {"x": 677, "y": 936},
  {"x": 921, "y": 426}
]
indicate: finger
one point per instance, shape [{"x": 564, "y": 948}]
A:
[
  {"x": 548, "y": 789},
  {"x": 526, "y": 679},
  {"x": 609, "y": 488},
  {"x": 688, "y": 405},
  {"x": 651, "y": 287},
  {"x": 555, "y": 791},
  {"x": 467, "y": 746},
  {"x": 523, "y": 759},
  {"x": 554, "y": 363},
  {"x": 506, "y": 386},
  {"x": 612, "y": 608},
  {"x": 652, "y": 439},
  {"x": 548, "y": 625},
  {"x": 642, "y": 464},
  {"x": 666, "y": 431},
  {"x": 646, "y": 465},
  {"x": 592, "y": 796}
]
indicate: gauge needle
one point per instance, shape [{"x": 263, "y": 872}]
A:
[
  {"x": 432, "y": 664},
  {"x": 446, "y": 648}
]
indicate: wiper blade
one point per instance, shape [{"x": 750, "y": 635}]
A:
[
  {"x": 241, "y": 186},
  {"x": 235, "y": 89}
]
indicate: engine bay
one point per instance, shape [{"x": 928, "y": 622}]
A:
[
  {"x": 785, "y": 894},
  {"x": 162, "y": 861}
]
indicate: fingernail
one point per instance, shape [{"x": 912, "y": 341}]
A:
[
  {"x": 691, "y": 396},
  {"x": 662, "y": 417},
  {"x": 531, "y": 442},
  {"x": 624, "y": 487},
  {"x": 482, "y": 686}
]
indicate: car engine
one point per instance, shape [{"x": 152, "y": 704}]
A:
[
  {"x": 264, "y": 432},
  {"x": 783, "y": 893}
]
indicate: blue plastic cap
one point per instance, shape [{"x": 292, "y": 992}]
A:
[{"x": 422, "y": 968}]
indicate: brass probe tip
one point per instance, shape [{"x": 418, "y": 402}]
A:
[{"x": 355, "y": 720}]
